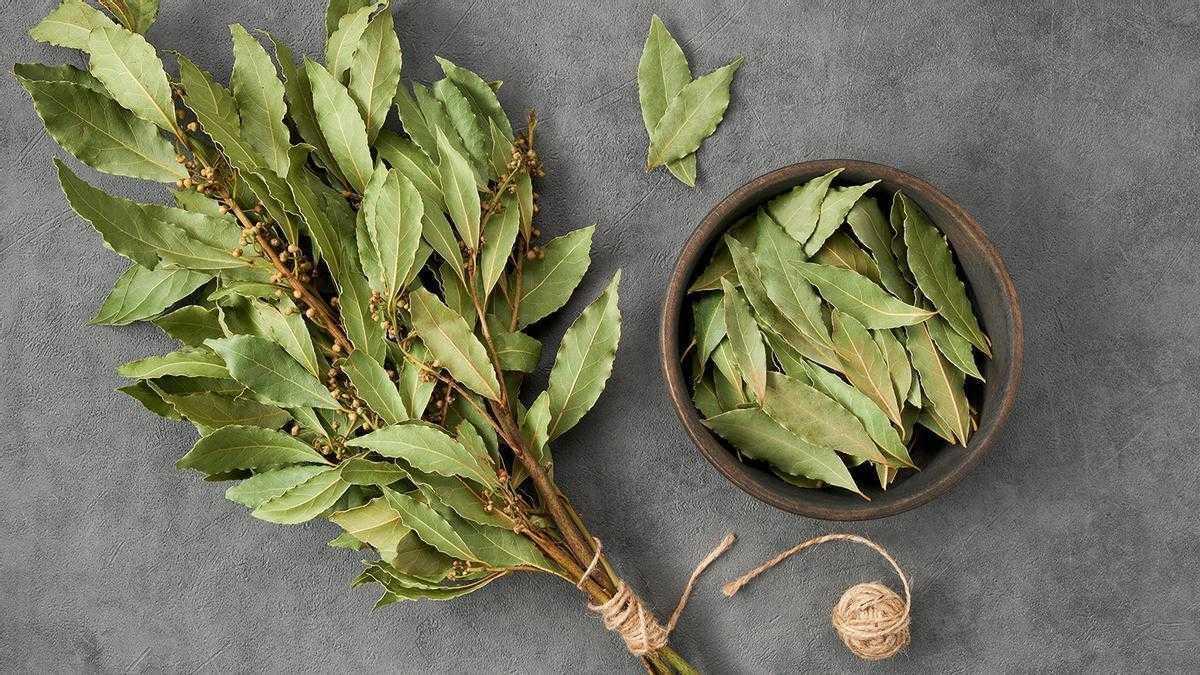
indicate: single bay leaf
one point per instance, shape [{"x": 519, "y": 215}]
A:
[
  {"x": 375, "y": 71},
  {"x": 136, "y": 15},
  {"x": 874, "y": 231},
  {"x": 214, "y": 411},
  {"x": 460, "y": 191},
  {"x": 271, "y": 373},
  {"x": 873, "y": 419},
  {"x": 191, "y": 325},
  {"x": 359, "y": 471},
  {"x": 799, "y": 210},
  {"x": 584, "y": 361},
  {"x": 394, "y": 222},
  {"x": 550, "y": 280},
  {"x": 133, "y": 74},
  {"x": 428, "y": 448},
  {"x": 414, "y": 389},
  {"x": 898, "y": 363},
  {"x": 259, "y": 96},
  {"x": 216, "y": 110},
  {"x": 860, "y": 297},
  {"x": 374, "y": 387},
  {"x": 757, "y": 436},
  {"x": 140, "y": 294},
  {"x": 817, "y": 419},
  {"x": 865, "y": 365},
  {"x": 344, "y": 41},
  {"x": 101, "y": 134},
  {"x": 469, "y": 126},
  {"x": 728, "y": 381},
  {"x": 43, "y": 72},
  {"x": 941, "y": 383},
  {"x": 691, "y": 116},
  {"x": 341, "y": 125},
  {"x": 450, "y": 340},
  {"x": 431, "y": 527},
  {"x": 939, "y": 427},
  {"x": 305, "y": 501},
  {"x": 662, "y": 71},
  {"x": 286, "y": 330},
  {"x": 535, "y": 428},
  {"x": 708, "y": 322},
  {"x": 705, "y": 398},
  {"x": 842, "y": 251},
  {"x": 244, "y": 447},
  {"x": 837, "y": 203},
  {"x": 263, "y": 487},
  {"x": 720, "y": 266},
  {"x": 438, "y": 233},
  {"x": 954, "y": 347},
  {"x": 414, "y": 122},
  {"x": 500, "y": 234},
  {"x": 745, "y": 341},
  {"x": 71, "y": 25},
  {"x": 375, "y": 523},
  {"x": 932, "y": 264},
  {"x": 787, "y": 287},
  {"x": 151, "y": 400},
  {"x": 185, "y": 362}
]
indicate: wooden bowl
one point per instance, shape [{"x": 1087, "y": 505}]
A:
[{"x": 941, "y": 466}]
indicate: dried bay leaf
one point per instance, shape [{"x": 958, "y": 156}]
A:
[
  {"x": 259, "y": 95},
  {"x": 837, "y": 203},
  {"x": 517, "y": 351},
  {"x": 708, "y": 324},
  {"x": 787, "y": 288},
  {"x": 375, "y": 71},
  {"x": 865, "y": 365},
  {"x": 394, "y": 211},
  {"x": 214, "y": 411},
  {"x": 662, "y": 71},
  {"x": 359, "y": 471},
  {"x": 481, "y": 95},
  {"x": 932, "y": 265},
  {"x": 341, "y": 125},
  {"x": 305, "y": 501},
  {"x": 941, "y": 383},
  {"x": 343, "y": 41},
  {"x": 584, "y": 361},
  {"x": 873, "y": 229},
  {"x": 551, "y": 279},
  {"x": 954, "y": 347},
  {"x": 746, "y": 342},
  {"x": 191, "y": 325},
  {"x": 860, "y": 297},
  {"x": 271, "y": 373},
  {"x": 799, "y": 210},
  {"x": 898, "y": 364},
  {"x": 263, "y": 487},
  {"x": 449, "y": 338},
  {"x": 185, "y": 362},
  {"x": 431, "y": 527},
  {"x": 842, "y": 251},
  {"x": 756, "y": 435},
  {"x": 140, "y": 294},
  {"x": 244, "y": 447},
  {"x": 691, "y": 116},
  {"x": 375, "y": 523},
  {"x": 817, "y": 419},
  {"x": 499, "y": 237},
  {"x": 873, "y": 419},
  {"x": 132, "y": 73},
  {"x": 460, "y": 190},
  {"x": 374, "y": 387},
  {"x": 217, "y": 112},
  {"x": 469, "y": 126},
  {"x": 71, "y": 25},
  {"x": 428, "y": 448}
]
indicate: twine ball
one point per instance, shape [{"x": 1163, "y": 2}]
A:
[{"x": 872, "y": 621}]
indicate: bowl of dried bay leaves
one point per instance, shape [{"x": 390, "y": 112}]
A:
[{"x": 841, "y": 340}]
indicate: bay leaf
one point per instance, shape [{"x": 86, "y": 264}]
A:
[
  {"x": 431, "y": 527},
  {"x": 70, "y": 25},
  {"x": 865, "y": 365},
  {"x": 375, "y": 523},
  {"x": 535, "y": 428},
  {"x": 140, "y": 294},
  {"x": 482, "y": 96},
  {"x": 404, "y": 156},
  {"x": 704, "y": 397},
  {"x": 438, "y": 233},
  {"x": 100, "y": 133},
  {"x": 898, "y": 363},
  {"x": 62, "y": 72},
  {"x": 499, "y": 236},
  {"x": 873, "y": 229},
  {"x": 460, "y": 191},
  {"x": 798, "y": 210},
  {"x": 360, "y": 471},
  {"x": 150, "y": 399},
  {"x": 185, "y": 362},
  {"x": 757, "y": 436},
  {"x": 449, "y": 338},
  {"x": 214, "y": 411},
  {"x": 259, "y": 96},
  {"x": 375, "y": 71},
  {"x": 243, "y": 447},
  {"x": 517, "y": 351},
  {"x": 746, "y": 342},
  {"x": 502, "y": 548},
  {"x": 298, "y": 93},
  {"x": 941, "y": 383},
  {"x": 336, "y": 9},
  {"x": 550, "y": 280},
  {"x": 414, "y": 389},
  {"x": 728, "y": 381},
  {"x": 271, "y": 373},
  {"x": 216, "y": 110},
  {"x": 584, "y": 361},
  {"x": 662, "y": 71},
  {"x": 954, "y": 347},
  {"x": 691, "y": 116},
  {"x": 343, "y": 42},
  {"x": 872, "y": 417},
  {"x": 267, "y": 485},
  {"x": 305, "y": 501},
  {"x": 414, "y": 122},
  {"x": 430, "y": 449},
  {"x": 191, "y": 325},
  {"x": 374, "y": 387},
  {"x": 341, "y": 125},
  {"x": 837, "y": 203},
  {"x": 462, "y": 498},
  {"x": 817, "y": 419},
  {"x": 842, "y": 251},
  {"x": 136, "y": 15},
  {"x": 133, "y": 74},
  {"x": 787, "y": 287},
  {"x": 289, "y": 331},
  {"x": 393, "y": 220},
  {"x": 469, "y": 126},
  {"x": 932, "y": 265},
  {"x": 861, "y": 298},
  {"x": 708, "y": 324},
  {"x": 937, "y": 425},
  {"x": 720, "y": 266}
]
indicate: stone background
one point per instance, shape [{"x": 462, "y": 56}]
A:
[{"x": 1069, "y": 130}]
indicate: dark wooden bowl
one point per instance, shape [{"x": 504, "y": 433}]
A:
[{"x": 941, "y": 466}]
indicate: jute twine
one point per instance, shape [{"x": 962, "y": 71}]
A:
[
  {"x": 871, "y": 620},
  {"x": 626, "y": 614}
]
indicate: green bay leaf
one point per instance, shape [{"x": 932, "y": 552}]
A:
[
  {"x": 817, "y": 419},
  {"x": 745, "y": 340},
  {"x": 374, "y": 387},
  {"x": 864, "y": 364},
  {"x": 375, "y": 71},
  {"x": 263, "y": 487},
  {"x": 245, "y": 447},
  {"x": 449, "y": 338},
  {"x": 837, "y": 203},
  {"x": 271, "y": 373},
  {"x": 133, "y": 74},
  {"x": 861, "y": 298},
  {"x": 430, "y": 449},
  {"x": 584, "y": 361},
  {"x": 185, "y": 362},
  {"x": 305, "y": 501},
  {"x": 140, "y": 294},
  {"x": 941, "y": 383},
  {"x": 260, "y": 101},
  {"x": 71, "y": 25},
  {"x": 549, "y": 281},
  {"x": 798, "y": 210},
  {"x": 341, "y": 125}
]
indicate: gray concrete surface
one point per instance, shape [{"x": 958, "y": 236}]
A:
[{"x": 1068, "y": 129}]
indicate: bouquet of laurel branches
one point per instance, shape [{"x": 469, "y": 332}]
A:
[{"x": 352, "y": 301}]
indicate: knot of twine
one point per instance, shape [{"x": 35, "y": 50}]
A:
[
  {"x": 626, "y": 614},
  {"x": 870, "y": 618}
]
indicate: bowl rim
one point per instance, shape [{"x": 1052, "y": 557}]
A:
[{"x": 715, "y": 452}]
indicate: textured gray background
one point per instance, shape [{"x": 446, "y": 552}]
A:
[{"x": 1068, "y": 129}]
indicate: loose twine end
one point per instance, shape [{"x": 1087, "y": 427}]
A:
[{"x": 870, "y": 618}]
